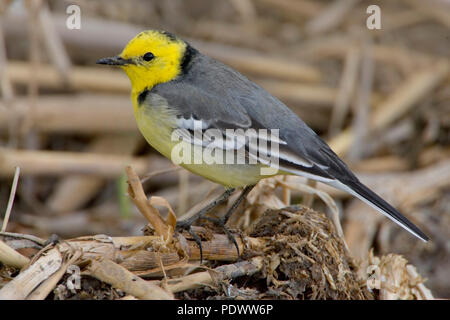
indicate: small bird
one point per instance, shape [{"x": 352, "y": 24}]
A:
[{"x": 174, "y": 87}]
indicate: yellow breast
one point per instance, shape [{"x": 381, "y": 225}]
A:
[{"x": 157, "y": 123}]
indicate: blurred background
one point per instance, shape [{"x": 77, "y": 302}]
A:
[{"x": 381, "y": 99}]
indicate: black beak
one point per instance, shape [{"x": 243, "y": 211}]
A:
[{"x": 114, "y": 61}]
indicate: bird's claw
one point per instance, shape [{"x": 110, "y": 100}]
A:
[
  {"x": 221, "y": 223},
  {"x": 187, "y": 225}
]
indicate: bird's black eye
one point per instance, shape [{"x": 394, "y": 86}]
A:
[{"x": 148, "y": 56}]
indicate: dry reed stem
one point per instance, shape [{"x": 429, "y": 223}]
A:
[
  {"x": 362, "y": 104},
  {"x": 11, "y": 199},
  {"x": 398, "y": 280},
  {"x": 56, "y": 163},
  {"x": 212, "y": 277},
  {"x": 330, "y": 17},
  {"x": 120, "y": 278},
  {"x": 25, "y": 237},
  {"x": 49, "y": 284},
  {"x": 252, "y": 62},
  {"x": 402, "y": 19},
  {"x": 132, "y": 253},
  {"x": 434, "y": 9},
  {"x": 295, "y": 8},
  {"x": 53, "y": 42},
  {"x": 308, "y": 199},
  {"x": 11, "y": 257},
  {"x": 171, "y": 220},
  {"x": 32, "y": 81},
  {"x": 337, "y": 46},
  {"x": 183, "y": 194},
  {"x": 139, "y": 198},
  {"x": 286, "y": 193},
  {"x": 23, "y": 284},
  {"x": 245, "y": 8},
  {"x": 411, "y": 91},
  {"x": 71, "y": 192},
  {"x": 424, "y": 292},
  {"x": 5, "y": 84},
  {"x": 80, "y": 78},
  {"x": 347, "y": 84},
  {"x": 88, "y": 114}
]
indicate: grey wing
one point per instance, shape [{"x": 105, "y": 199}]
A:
[
  {"x": 244, "y": 105},
  {"x": 200, "y": 109},
  {"x": 224, "y": 99},
  {"x": 192, "y": 103}
]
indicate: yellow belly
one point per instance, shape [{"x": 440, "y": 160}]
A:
[
  {"x": 228, "y": 175},
  {"x": 156, "y": 125}
]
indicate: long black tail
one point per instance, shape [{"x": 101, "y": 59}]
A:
[{"x": 371, "y": 198}]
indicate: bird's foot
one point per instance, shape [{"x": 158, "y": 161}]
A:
[
  {"x": 221, "y": 224},
  {"x": 54, "y": 239},
  {"x": 187, "y": 225}
]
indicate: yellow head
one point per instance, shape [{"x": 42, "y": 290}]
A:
[{"x": 150, "y": 58}]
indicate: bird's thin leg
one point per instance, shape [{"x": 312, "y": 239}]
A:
[
  {"x": 238, "y": 201},
  {"x": 185, "y": 224},
  {"x": 221, "y": 222},
  {"x": 198, "y": 241}
]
